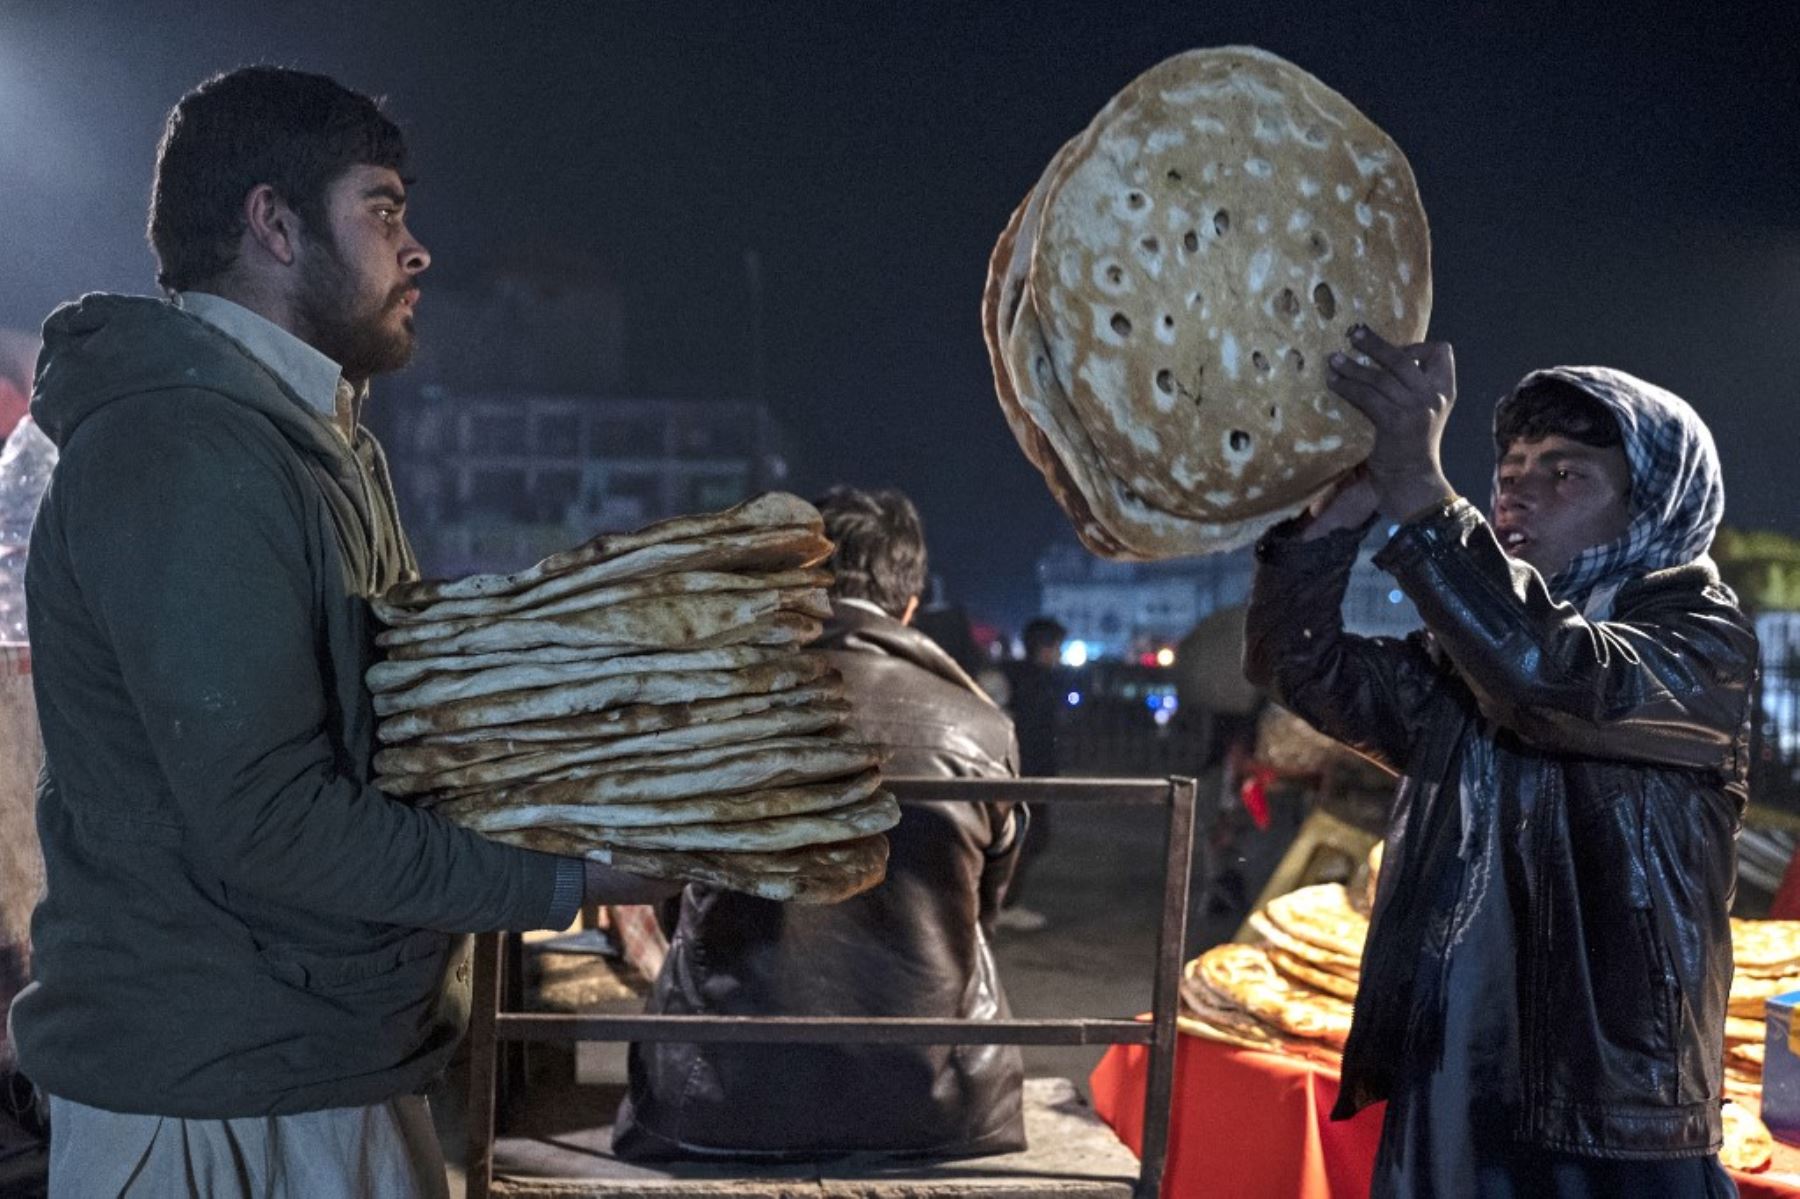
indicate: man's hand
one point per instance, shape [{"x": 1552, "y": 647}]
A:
[
  {"x": 1346, "y": 507},
  {"x": 606, "y": 886},
  {"x": 1407, "y": 393}
]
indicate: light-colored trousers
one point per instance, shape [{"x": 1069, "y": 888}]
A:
[{"x": 383, "y": 1151}]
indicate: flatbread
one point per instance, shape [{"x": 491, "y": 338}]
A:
[
  {"x": 1769, "y": 948},
  {"x": 1750, "y": 993},
  {"x": 625, "y": 690},
  {"x": 1143, "y": 531},
  {"x": 772, "y": 510},
  {"x": 1321, "y": 915},
  {"x": 450, "y": 750},
  {"x": 397, "y": 674},
  {"x": 1307, "y": 974},
  {"x": 661, "y": 622},
  {"x": 1220, "y": 1022},
  {"x": 876, "y": 814},
  {"x": 603, "y": 819},
  {"x": 683, "y": 582},
  {"x": 1242, "y": 976},
  {"x": 1748, "y": 1144},
  {"x": 447, "y": 688},
  {"x": 542, "y": 760},
  {"x": 812, "y": 875},
  {"x": 1747, "y": 1053},
  {"x": 709, "y": 773},
  {"x": 760, "y": 551},
  {"x": 836, "y": 745},
  {"x": 1742, "y": 1028},
  {"x": 1202, "y": 248},
  {"x": 1325, "y": 959},
  {"x": 998, "y": 314}
]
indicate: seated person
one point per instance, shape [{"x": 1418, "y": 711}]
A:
[{"x": 916, "y": 945}]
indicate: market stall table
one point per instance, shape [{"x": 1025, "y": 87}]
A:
[{"x": 1251, "y": 1123}]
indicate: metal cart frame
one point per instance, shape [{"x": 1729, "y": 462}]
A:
[{"x": 488, "y": 1025}]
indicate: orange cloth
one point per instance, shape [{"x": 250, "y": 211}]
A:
[{"x": 1245, "y": 1122}]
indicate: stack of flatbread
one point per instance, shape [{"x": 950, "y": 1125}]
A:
[
  {"x": 643, "y": 700},
  {"x": 1293, "y": 993},
  {"x": 1160, "y": 307},
  {"x": 1766, "y": 954}
]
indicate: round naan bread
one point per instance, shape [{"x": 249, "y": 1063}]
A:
[
  {"x": 1748, "y": 1144},
  {"x": 1768, "y": 948},
  {"x": 1201, "y": 249},
  {"x": 1241, "y": 976},
  {"x": 1321, "y": 915}
]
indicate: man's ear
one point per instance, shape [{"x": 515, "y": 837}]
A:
[
  {"x": 912, "y": 610},
  {"x": 271, "y": 224}
]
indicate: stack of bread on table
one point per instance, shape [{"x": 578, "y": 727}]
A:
[
  {"x": 643, "y": 700},
  {"x": 1293, "y": 993},
  {"x": 1766, "y": 954},
  {"x": 1160, "y": 308}
]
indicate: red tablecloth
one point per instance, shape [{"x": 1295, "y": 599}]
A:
[{"x": 1253, "y": 1124}]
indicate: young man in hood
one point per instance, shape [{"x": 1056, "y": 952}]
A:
[
  {"x": 1544, "y": 985},
  {"x": 248, "y": 965}
]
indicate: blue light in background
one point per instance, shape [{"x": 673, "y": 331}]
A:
[{"x": 1074, "y": 698}]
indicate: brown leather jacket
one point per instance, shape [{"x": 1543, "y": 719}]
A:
[
  {"x": 1619, "y": 771},
  {"x": 914, "y": 946}
]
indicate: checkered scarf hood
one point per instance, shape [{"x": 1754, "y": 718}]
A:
[{"x": 1677, "y": 492}]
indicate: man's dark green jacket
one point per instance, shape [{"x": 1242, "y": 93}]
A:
[{"x": 236, "y": 921}]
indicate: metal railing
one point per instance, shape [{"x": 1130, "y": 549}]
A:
[{"x": 488, "y": 1025}]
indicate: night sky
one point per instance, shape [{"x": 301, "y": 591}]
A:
[{"x": 1619, "y": 190}]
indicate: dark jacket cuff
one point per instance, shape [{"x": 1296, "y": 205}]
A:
[
  {"x": 565, "y": 898},
  {"x": 1283, "y": 547},
  {"x": 1440, "y": 528}
]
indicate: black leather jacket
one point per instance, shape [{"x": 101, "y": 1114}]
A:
[
  {"x": 914, "y": 946},
  {"x": 1619, "y": 775}
]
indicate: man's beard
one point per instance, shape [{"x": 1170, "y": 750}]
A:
[{"x": 357, "y": 339}]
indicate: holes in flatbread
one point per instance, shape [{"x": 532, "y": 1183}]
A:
[
  {"x": 1274, "y": 412},
  {"x": 1165, "y": 381},
  {"x": 1260, "y": 361},
  {"x": 1325, "y": 301},
  {"x": 1240, "y": 441},
  {"x": 1150, "y": 246},
  {"x": 1318, "y": 243},
  {"x": 1297, "y": 360},
  {"x": 1195, "y": 300},
  {"x": 1134, "y": 200},
  {"x": 1174, "y": 175},
  {"x": 1287, "y": 303},
  {"x": 1121, "y": 324},
  {"x": 1221, "y": 222},
  {"x": 1190, "y": 241},
  {"x": 1115, "y": 274},
  {"x": 1168, "y": 321}
]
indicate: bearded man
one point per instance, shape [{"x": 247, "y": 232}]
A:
[
  {"x": 247, "y": 960},
  {"x": 1544, "y": 985}
]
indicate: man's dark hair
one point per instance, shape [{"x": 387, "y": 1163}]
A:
[
  {"x": 1554, "y": 408},
  {"x": 880, "y": 554},
  {"x": 296, "y": 132},
  {"x": 1042, "y": 633}
]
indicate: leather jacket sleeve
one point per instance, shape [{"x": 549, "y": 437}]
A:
[
  {"x": 1371, "y": 693},
  {"x": 1669, "y": 684}
]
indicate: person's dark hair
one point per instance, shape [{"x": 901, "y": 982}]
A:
[
  {"x": 880, "y": 554},
  {"x": 1554, "y": 408},
  {"x": 296, "y": 132},
  {"x": 1042, "y": 633}
]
